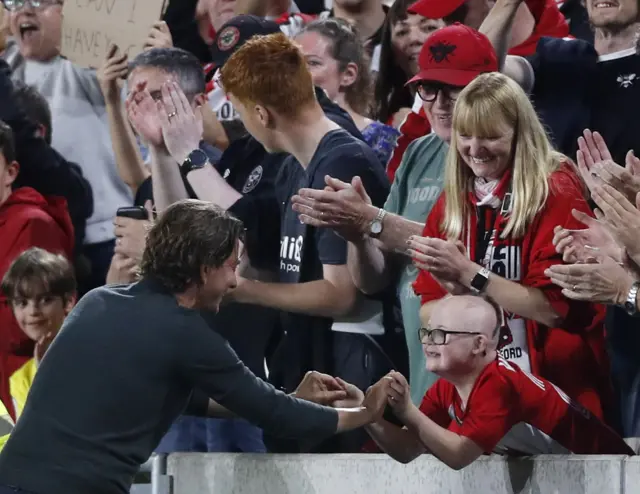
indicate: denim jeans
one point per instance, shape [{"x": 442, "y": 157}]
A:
[{"x": 205, "y": 435}]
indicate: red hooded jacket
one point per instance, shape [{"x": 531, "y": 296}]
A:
[
  {"x": 27, "y": 220},
  {"x": 549, "y": 22}
]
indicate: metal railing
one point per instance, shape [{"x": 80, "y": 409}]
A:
[{"x": 152, "y": 477}]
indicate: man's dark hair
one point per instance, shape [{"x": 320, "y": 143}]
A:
[
  {"x": 7, "y": 144},
  {"x": 189, "y": 235},
  {"x": 185, "y": 66},
  {"x": 29, "y": 100},
  {"x": 39, "y": 271}
]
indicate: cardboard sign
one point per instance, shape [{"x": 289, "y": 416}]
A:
[{"x": 90, "y": 26}]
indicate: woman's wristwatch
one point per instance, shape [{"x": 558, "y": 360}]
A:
[{"x": 480, "y": 281}]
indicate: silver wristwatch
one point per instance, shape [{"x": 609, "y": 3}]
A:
[
  {"x": 630, "y": 305},
  {"x": 375, "y": 228}
]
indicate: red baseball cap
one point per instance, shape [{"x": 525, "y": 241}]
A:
[
  {"x": 435, "y": 9},
  {"x": 455, "y": 55}
]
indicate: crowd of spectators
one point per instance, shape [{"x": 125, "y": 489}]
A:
[{"x": 441, "y": 193}]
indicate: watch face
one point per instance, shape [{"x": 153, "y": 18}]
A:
[
  {"x": 198, "y": 158},
  {"x": 376, "y": 227}
]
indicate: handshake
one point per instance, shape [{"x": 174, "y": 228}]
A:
[{"x": 392, "y": 390}]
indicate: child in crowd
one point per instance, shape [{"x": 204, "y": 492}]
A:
[{"x": 41, "y": 290}]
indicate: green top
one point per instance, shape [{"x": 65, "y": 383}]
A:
[{"x": 415, "y": 189}]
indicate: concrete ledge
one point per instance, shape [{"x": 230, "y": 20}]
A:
[{"x": 373, "y": 474}]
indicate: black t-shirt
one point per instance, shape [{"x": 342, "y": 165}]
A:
[
  {"x": 145, "y": 191},
  {"x": 615, "y": 99},
  {"x": 304, "y": 250},
  {"x": 250, "y": 170},
  {"x": 574, "y": 91}
]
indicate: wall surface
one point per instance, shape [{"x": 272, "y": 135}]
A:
[{"x": 373, "y": 474}]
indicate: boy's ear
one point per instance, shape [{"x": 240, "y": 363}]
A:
[{"x": 70, "y": 301}]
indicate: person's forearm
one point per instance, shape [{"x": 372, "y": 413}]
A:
[
  {"x": 128, "y": 159},
  {"x": 447, "y": 446},
  {"x": 168, "y": 186},
  {"x": 352, "y": 418},
  {"x": 210, "y": 186},
  {"x": 314, "y": 298},
  {"x": 368, "y": 265},
  {"x": 399, "y": 443},
  {"x": 498, "y": 25},
  {"x": 396, "y": 230},
  {"x": 516, "y": 298}
]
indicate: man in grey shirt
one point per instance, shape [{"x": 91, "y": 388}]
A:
[{"x": 128, "y": 359}]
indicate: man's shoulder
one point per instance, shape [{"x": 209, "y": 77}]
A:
[
  {"x": 563, "y": 50},
  {"x": 339, "y": 145}
]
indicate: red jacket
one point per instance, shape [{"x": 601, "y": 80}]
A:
[
  {"x": 549, "y": 22},
  {"x": 27, "y": 220},
  {"x": 573, "y": 356}
]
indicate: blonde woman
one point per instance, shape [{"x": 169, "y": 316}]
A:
[{"x": 491, "y": 232}]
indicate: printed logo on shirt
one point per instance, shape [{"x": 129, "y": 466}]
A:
[
  {"x": 253, "y": 180},
  {"x": 423, "y": 194},
  {"x": 227, "y": 112},
  {"x": 505, "y": 261},
  {"x": 626, "y": 80},
  {"x": 291, "y": 253}
]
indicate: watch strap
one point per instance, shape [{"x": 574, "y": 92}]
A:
[{"x": 480, "y": 281}]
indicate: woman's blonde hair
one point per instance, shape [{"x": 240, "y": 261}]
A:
[{"x": 484, "y": 108}]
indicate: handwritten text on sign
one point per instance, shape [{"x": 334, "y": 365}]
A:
[{"x": 91, "y": 25}]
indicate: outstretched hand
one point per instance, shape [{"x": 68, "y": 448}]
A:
[
  {"x": 344, "y": 207},
  {"x": 320, "y": 388}
]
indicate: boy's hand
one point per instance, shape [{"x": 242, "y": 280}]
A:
[{"x": 42, "y": 345}]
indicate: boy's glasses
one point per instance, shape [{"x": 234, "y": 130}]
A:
[
  {"x": 15, "y": 5},
  {"x": 438, "y": 336}
]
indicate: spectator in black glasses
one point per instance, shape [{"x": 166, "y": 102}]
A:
[{"x": 482, "y": 403}]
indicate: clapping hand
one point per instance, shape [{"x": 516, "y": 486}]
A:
[
  {"x": 144, "y": 115},
  {"x": 621, "y": 217},
  {"x": 601, "y": 280},
  {"x": 596, "y": 165},
  {"x": 581, "y": 245},
  {"x": 182, "y": 126},
  {"x": 341, "y": 206}
]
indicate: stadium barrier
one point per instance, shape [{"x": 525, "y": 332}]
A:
[{"x": 194, "y": 473}]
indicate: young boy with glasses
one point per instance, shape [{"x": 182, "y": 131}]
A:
[{"x": 483, "y": 404}]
